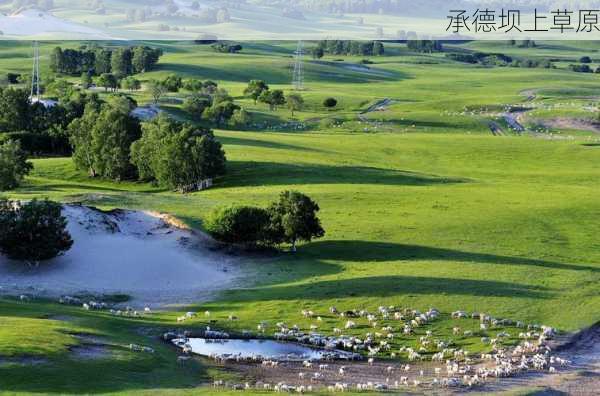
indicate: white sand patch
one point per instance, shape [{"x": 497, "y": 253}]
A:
[{"x": 135, "y": 253}]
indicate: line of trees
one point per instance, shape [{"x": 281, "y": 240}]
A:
[
  {"x": 290, "y": 219},
  {"x": 348, "y": 47},
  {"x": 95, "y": 61},
  {"x": 41, "y": 130}
]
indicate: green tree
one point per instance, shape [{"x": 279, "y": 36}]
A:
[
  {"x": 13, "y": 165},
  {"x": 193, "y": 85},
  {"x": 330, "y": 103},
  {"x": 173, "y": 83},
  {"x": 196, "y": 104},
  {"x": 273, "y": 98},
  {"x": 177, "y": 155},
  {"x": 102, "y": 141},
  {"x": 109, "y": 81},
  {"x": 157, "y": 90},
  {"x": 295, "y": 102},
  {"x": 318, "y": 53},
  {"x": 120, "y": 62},
  {"x": 86, "y": 80},
  {"x": 14, "y": 110},
  {"x": 220, "y": 113},
  {"x": 294, "y": 218},
  {"x": 241, "y": 118},
  {"x": 33, "y": 231},
  {"x": 131, "y": 84},
  {"x": 57, "y": 60},
  {"x": 102, "y": 61},
  {"x": 255, "y": 88},
  {"x": 243, "y": 225}
]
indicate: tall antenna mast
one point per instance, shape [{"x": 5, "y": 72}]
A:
[
  {"x": 299, "y": 67},
  {"x": 35, "y": 76}
]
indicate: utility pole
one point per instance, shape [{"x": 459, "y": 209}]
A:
[
  {"x": 298, "y": 81},
  {"x": 35, "y": 75}
]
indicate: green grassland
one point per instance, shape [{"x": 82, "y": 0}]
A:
[{"x": 428, "y": 210}]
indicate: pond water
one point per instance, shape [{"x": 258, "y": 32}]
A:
[{"x": 252, "y": 348}]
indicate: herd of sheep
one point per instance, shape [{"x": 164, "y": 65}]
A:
[{"x": 455, "y": 367}]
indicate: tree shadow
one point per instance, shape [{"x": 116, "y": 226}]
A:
[
  {"x": 250, "y": 173},
  {"x": 361, "y": 251},
  {"x": 389, "y": 286},
  {"x": 236, "y": 141}
]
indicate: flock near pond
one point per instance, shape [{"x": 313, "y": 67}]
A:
[{"x": 388, "y": 349}]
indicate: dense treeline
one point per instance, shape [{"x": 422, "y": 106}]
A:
[
  {"x": 498, "y": 59},
  {"x": 348, "y": 47},
  {"x": 40, "y": 129},
  {"x": 427, "y": 46},
  {"x": 92, "y": 60}
]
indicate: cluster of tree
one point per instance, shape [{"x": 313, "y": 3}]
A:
[
  {"x": 211, "y": 103},
  {"x": 427, "y": 46},
  {"x": 585, "y": 68},
  {"x": 532, "y": 63},
  {"x": 259, "y": 91},
  {"x": 290, "y": 219},
  {"x": 228, "y": 48},
  {"x": 108, "y": 142},
  {"x": 348, "y": 47},
  {"x": 34, "y": 231},
  {"x": 177, "y": 155},
  {"x": 102, "y": 139},
  {"x": 522, "y": 43},
  {"x": 93, "y": 60},
  {"x": 498, "y": 59},
  {"x": 41, "y": 129}
]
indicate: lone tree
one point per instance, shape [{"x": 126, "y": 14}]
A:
[
  {"x": 157, "y": 89},
  {"x": 33, "y": 231},
  {"x": 294, "y": 218},
  {"x": 243, "y": 225},
  {"x": 330, "y": 103},
  {"x": 13, "y": 165},
  {"x": 255, "y": 88},
  {"x": 273, "y": 98},
  {"x": 295, "y": 102}
]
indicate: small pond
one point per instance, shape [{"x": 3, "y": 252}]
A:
[{"x": 268, "y": 349}]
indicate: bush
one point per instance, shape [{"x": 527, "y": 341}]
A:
[
  {"x": 585, "y": 59},
  {"x": 13, "y": 165},
  {"x": 34, "y": 231},
  {"x": 243, "y": 225},
  {"x": 330, "y": 103}
]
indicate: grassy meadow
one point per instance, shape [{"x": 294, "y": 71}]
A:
[{"x": 422, "y": 205}]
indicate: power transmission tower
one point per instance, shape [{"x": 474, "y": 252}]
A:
[
  {"x": 299, "y": 67},
  {"x": 35, "y": 75}
]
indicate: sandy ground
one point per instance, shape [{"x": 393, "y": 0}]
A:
[{"x": 135, "y": 253}]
